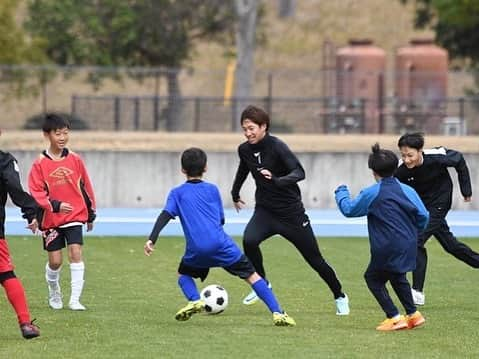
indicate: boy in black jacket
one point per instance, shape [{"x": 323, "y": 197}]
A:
[{"x": 426, "y": 171}]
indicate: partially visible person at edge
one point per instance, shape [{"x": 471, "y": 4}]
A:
[
  {"x": 10, "y": 185},
  {"x": 395, "y": 216},
  {"x": 426, "y": 170},
  {"x": 60, "y": 184},
  {"x": 279, "y": 209}
]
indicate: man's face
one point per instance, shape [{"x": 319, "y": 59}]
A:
[
  {"x": 411, "y": 156},
  {"x": 253, "y": 132}
]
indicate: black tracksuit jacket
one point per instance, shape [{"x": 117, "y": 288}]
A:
[
  {"x": 281, "y": 195},
  {"x": 10, "y": 185},
  {"x": 432, "y": 181}
]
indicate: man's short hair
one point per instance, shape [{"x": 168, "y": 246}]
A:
[
  {"x": 256, "y": 115},
  {"x": 414, "y": 140}
]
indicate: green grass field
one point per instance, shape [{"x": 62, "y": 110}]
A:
[{"x": 132, "y": 300}]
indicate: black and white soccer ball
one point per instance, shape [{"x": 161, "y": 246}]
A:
[{"x": 215, "y": 298}]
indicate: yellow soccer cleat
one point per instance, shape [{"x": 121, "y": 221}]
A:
[
  {"x": 191, "y": 308},
  {"x": 283, "y": 320}
]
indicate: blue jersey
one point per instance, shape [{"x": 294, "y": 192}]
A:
[
  {"x": 395, "y": 216},
  {"x": 198, "y": 205}
]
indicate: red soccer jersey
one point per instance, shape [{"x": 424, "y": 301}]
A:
[{"x": 53, "y": 181}]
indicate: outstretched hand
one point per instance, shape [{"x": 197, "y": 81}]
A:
[{"x": 149, "y": 248}]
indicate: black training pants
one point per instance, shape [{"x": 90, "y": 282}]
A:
[
  {"x": 298, "y": 231},
  {"x": 438, "y": 228}
]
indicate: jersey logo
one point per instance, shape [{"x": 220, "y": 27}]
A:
[
  {"x": 410, "y": 179},
  {"x": 305, "y": 223},
  {"x": 61, "y": 172},
  {"x": 15, "y": 166},
  {"x": 258, "y": 156}
]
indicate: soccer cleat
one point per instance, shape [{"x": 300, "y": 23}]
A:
[
  {"x": 252, "y": 297},
  {"x": 418, "y": 297},
  {"x": 396, "y": 323},
  {"x": 55, "y": 299},
  {"x": 342, "y": 305},
  {"x": 29, "y": 330},
  {"x": 283, "y": 320},
  {"x": 415, "y": 320},
  {"x": 191, "y": 308},
  {"x": 76, "y": 306}
]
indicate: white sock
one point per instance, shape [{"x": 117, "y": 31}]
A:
[
  {"x": 53, "y": 278},
  {"x": 77, "y": 274}
]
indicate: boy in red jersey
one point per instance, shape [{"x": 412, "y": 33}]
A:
[
  {"x": 60, "y": 184},
  {"x": 10, "y": 185}
]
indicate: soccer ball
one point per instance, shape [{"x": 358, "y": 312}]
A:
[{"x": 215, "y": 298}]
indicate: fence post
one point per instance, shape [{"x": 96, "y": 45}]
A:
[
  {"x": 73, "y": 105},
  {"x": 156, "y": 114},
  {"x": 136, "y": 113},
  {"x": 269, "y": 102},
  {"x": 234, "y": 109},
  {"x": 116, "y": 113},
  {"x": 196, "y": 126}
]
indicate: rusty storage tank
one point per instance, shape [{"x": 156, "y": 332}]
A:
[
  {"x": 421, "y": 70},
  {"x": 360, "y": 68}
]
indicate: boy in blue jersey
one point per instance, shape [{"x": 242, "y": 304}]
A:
[
  {"x": 395, "y": 216},
  {"x": 198, "y": 205}
]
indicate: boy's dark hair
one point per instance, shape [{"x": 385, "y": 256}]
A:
[
  {"x": 255, "y": 114},
  {"x": 414, "y": 140},
  {"x": 53, "y": 121},
  {"x": 193, "y": 161},
  {"x": 383, "y": 162}
]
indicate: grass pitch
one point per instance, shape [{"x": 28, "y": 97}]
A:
[{"x": 132, "y": 301}]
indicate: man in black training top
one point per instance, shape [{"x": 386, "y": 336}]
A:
[
  {"x": 279, "y": 209},
  {"x": 426, "y": 172}
]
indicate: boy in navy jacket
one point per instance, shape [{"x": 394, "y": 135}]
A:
[{"x": 395, "y": 216}]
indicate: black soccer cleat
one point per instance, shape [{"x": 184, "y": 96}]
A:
[{"x": 29, "y": 330}]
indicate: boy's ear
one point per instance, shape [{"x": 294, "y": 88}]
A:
[
  {"x": 183, "y": 171},
  {"x": 205, "y": 169}
]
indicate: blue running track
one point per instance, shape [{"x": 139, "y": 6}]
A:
[{"x": 326, "y": 223}]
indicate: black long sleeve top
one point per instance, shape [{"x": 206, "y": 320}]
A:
[
  {"x": 431, "y": 179},
  {"x": 280, "y": 195},
  {"x": 10, "y": 185}
]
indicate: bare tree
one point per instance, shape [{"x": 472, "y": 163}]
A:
[{"x": 246, "y": 11}]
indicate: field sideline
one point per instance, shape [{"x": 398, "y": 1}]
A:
[{"x": 132, "y": 300}]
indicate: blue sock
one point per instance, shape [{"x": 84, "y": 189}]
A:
[
  {"x": 188, "y": 286},
  {"x": 267, "y": 295}
]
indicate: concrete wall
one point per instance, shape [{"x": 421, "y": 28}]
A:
[{"x": 143, "y": 179}]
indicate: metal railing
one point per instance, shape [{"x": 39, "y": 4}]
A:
[{"x": 293, "y": 115}]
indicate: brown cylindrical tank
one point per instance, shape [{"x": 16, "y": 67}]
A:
[
  {"x": 360, "y": 70},
  {"x": 421, "y": 70}
]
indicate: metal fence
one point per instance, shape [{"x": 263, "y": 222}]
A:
[
  {"x": 452, "y": 116},
  {"x": 300, "y": 101}
]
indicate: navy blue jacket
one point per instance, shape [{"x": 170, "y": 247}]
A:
[{"x": 395, "y": 216}]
